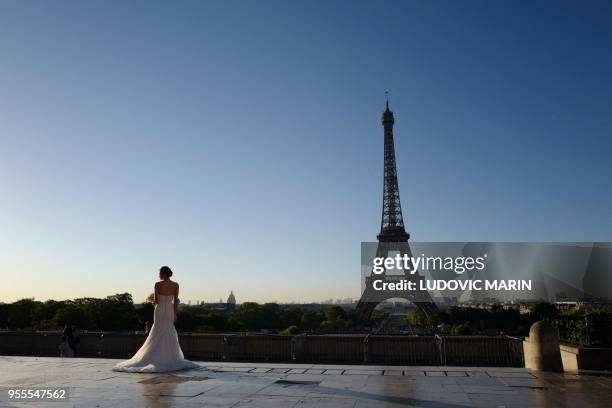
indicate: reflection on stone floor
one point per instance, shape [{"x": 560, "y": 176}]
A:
[{"x": 93, "y": 384}]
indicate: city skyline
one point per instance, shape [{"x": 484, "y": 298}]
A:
[{"x": 241, "y": 143}]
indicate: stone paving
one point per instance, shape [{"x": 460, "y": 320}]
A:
[{"x": 93, "y": 384}]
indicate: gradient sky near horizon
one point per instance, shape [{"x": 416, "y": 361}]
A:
[{"x": 240, "y": 142}]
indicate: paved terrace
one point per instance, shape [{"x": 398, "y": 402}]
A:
[{"x": 93, "y": 384}]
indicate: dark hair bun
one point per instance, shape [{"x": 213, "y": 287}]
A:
[{"x": 166, "y": 271}]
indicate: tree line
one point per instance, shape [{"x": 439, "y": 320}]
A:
[
  {"x": 112, "y": 313},
  {"x": 592, "y": 327},
  {"x": 118, "y": 313}
]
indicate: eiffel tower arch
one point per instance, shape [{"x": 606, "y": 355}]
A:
[{"x": 392, "y": 237}]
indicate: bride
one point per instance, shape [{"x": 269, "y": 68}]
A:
[{"x": 161, "y": 351}]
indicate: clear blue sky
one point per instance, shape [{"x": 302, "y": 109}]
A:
[{"x": 240, "y": 142}]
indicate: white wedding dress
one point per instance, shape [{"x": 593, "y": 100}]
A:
[{"x": 161, "y": 351}]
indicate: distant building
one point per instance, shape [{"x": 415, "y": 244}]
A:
[
  {"x": 221, "y": 305},
  {"x": 575, "y": 306}
]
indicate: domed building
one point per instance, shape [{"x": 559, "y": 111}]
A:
[
  {"x": 231, "y": 299},
  {"x": 229, "y": 305}
]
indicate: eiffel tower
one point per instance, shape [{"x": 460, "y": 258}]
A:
[{"x": 392, "y": 237}]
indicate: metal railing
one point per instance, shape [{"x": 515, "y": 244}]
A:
[
  {"x": 500, "y": 351},
  {"x": 405, "y": 350},
  {"x": 347, "y": 349}
]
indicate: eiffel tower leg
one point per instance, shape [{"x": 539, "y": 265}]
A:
[
  {"x": 364, "y": 310},
  {"x": 371, "y": 298}
]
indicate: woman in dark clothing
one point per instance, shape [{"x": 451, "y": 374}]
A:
[{"x": 70, "y": 339}]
